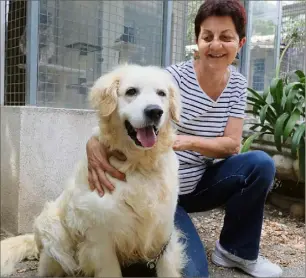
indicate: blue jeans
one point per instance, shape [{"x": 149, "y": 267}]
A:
[{"x": 241, "y": 183}]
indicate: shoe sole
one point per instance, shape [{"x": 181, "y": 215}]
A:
[{"x": 224, "y": 262}]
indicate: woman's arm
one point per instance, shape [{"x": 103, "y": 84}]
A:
[
  {"x": 219, "y": 147},
  {"x": 98, "y": 164}
]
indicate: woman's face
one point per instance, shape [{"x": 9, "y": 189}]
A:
[{"x": 218, "y": 42}]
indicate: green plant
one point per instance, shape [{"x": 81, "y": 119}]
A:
[{"x": 280, "y": 111}]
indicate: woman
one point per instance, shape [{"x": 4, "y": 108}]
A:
[{"x": 212, "y": 172}]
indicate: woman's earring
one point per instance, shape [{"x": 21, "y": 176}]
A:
[{"x": 196, "y": 55}]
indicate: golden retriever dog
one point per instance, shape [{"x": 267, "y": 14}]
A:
[{"x": 81, "y": 233}]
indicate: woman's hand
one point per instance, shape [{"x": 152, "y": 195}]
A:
[
  {"x": 98, "y": 164},
  {"x": 182, "y": 143},
  {"x": 218, "y": 147}
]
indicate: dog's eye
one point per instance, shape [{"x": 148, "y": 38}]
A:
[
  {"x": 131, "y": 92},
  {"x": 161, "y": 93}
]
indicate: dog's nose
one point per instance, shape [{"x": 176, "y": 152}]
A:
[{"x": 153, "y": 112}]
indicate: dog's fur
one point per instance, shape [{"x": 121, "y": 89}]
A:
[{"x": 81, "y": 232}]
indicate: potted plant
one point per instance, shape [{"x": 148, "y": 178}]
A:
[{"x": 280, "y": 112}]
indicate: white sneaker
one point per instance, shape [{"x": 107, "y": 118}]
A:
[{"x": 261, "y": 267}]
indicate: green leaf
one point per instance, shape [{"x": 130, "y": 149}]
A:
[
  {"x": 269, "y": 98},
  {"x": 248, "y": 142},
  {"x": 257, "y": 106},
  {"x": 288, "y": 88},
  {"x": 256, "y": 100},
  {"x": 295, "y": 116},
  {"x": 278, "y": 131},
  {"x": 284, "y": 100},
  {"x": 263, "y": 127},
  {"x": 296, "y": 138},
  {"x": 276, "y": 89},
  {"x": 300, "y": 74},
  {"x": 254, "y": 110},
  {"x": 300, "y": 105},
  {"x": 266, "y": 93},
  {"x": 254, "y": 126},
  {"x": 263, "y": 112},
  {"x": 275, "y": 85},
  {"x": 289, "y": 100},
  {"x": 258, "y": 96}
]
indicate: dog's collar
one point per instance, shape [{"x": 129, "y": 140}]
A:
[{"x": 151, "y": 264}]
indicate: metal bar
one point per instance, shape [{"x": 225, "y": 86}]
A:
[
  {"x": 32, "y": 51},
  {"x": 278, "y": 29},
  {"x": 100, "y": 40},
  {"x": 2, "y": 49},
  {"x": 185, "y": 20},
  {"x": 246, "y": 50},
  {"x": 167, "y": 27}
]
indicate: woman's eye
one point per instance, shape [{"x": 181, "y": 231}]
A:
[
  {"x": 131, "y": 92},
  {"x": 227, "y": 39},
  {"x": 206, "y": 39},
  {"x": 161, "y": 93}
]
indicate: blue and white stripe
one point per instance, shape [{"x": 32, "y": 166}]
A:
[{"x": 202, "y": 116}]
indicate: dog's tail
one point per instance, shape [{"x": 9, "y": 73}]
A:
[{"x": 16, "y": 249}]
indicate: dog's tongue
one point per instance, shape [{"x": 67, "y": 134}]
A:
[{"x": 146, "y": 136}]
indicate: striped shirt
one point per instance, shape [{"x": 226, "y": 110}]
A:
[{"x": 202, "y": 116}]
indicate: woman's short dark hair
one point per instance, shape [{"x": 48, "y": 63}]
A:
[{"x": 232, "y": 8}]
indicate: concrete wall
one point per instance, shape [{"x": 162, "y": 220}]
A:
[{"x": 39, "y": 149}]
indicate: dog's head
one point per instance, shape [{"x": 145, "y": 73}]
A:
[{"x": 143, "y": 98}]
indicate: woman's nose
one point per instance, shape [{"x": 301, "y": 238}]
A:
[{"x": 215, "y": 44}]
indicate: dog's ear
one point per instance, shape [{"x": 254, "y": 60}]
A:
[
  {"x": 104, "y": 94},
  {"x": 175, "y": 102}
]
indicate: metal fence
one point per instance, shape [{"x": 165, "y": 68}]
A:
[
  {"x": 293, "y": 24},
  {"x": 15, "y": 85},
  {"x": 73, "y": 42}
]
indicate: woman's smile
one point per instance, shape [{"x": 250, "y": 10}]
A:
[{"x": 218, "y": 56}]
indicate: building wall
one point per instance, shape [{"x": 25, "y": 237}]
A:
[
  {"x": 10, "y": 167},
  {"x": 39, "y": 150}
]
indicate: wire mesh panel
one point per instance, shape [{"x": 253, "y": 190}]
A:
[
  {"x": 192, "y": 8},
  {"x": 80, "y": 40},
  {"x": 77, "y": 41},
  {"x": 15, "y": 78},
  {"x": 69, "y": 51},
  {"x": 293, "y": 25},
  {"x": 262, "y": 41},
  {"x": 88, "y": 38},
  {"x": 178, "y": 26}
]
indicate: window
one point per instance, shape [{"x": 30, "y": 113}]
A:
[
  {"x": 261, "y": 54},
  {"x": 258, "y": 74}
]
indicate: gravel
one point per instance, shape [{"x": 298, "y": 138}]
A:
[{"x": 282, "y": 242}]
